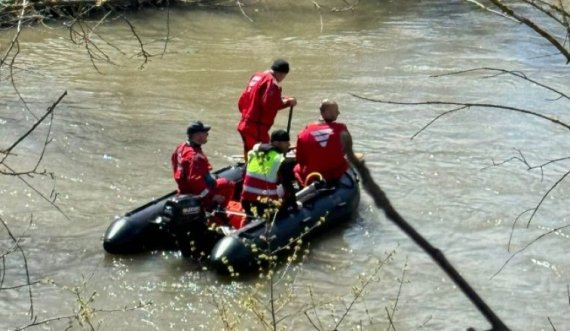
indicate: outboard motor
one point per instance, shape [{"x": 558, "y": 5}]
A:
[
  {"x": 181, "y": 209},
  {"x": 184, "y": 218}
]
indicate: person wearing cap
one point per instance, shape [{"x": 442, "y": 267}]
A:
[
  {"x": 319, "y": 147},
  {"x": 269, "y": 176},
  {"x": 259, "y": 103},
  {"x": 191, "y": 169}
]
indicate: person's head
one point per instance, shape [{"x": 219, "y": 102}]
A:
[
  {"x": 280, "y": 140},
  {"x": 198, "y": 132},
  {"x": 280, "y": 69},
  {"x": 329, "y": 110}
]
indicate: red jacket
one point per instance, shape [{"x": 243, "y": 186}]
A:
[
  {"x": 191, "y": 169},
  {"x": 259, "y": 104},
  {"x": 319, "y": 149}
]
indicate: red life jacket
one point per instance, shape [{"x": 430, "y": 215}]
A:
[
  {"x": 189, "y": 168},
  {"x": 319, "y": 149},
  {"x": 260, "y": 101}
]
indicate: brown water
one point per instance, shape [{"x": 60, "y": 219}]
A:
[{"x": 114, "y": 132}]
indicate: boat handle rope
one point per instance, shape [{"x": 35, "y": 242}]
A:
[{"x": 311, "y": 175}]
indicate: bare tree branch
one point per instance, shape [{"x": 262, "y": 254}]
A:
[
  {"x": 393, "y": 313},
  {"x": 521, "y": 158},
  {"x": 382, "y": 201},
  {"x": 167, "y": 28},
  {"x": 544, "y": 197},
  {"x": 527, "y": 246},
  {"x": 551, "y": 324},
  {"x": 318, "y": 7},
  {"x": 240, "y": 5},
  {"x": 23, "y": 254},
  {"x": 15, "y": 43},
  {"x": 467, "y": 105},
  {"x": 143, "y": 52},
  {"x": 491, "y": 10},
  {"x": 546, "y": 35},
  {"x": 514, "y": 73},
  {"x": 513, "y": 228},
  {"x": 47, "y": 113}
]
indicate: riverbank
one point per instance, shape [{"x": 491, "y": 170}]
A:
[{"x": 16, "y": 12}]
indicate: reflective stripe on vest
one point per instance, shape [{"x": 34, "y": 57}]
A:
[{"x": 262, "y": 171}]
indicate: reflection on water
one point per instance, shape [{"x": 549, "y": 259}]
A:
[{"x": 114, "y": 132}]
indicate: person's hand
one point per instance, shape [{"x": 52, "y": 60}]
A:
[{"x": 292, "y": 102}]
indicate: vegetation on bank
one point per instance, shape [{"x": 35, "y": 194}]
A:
[{"x": 14, "y": 12}]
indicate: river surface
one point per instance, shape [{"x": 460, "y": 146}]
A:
[{"x": 113, "y": 133}]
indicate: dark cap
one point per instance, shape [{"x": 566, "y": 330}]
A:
[
  {"x": 197, "y": 126},
  {"x": 279, "y": 135},
  {"x": 280, "y": 65}
]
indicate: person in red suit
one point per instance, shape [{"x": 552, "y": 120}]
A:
[
  {"x": 191, "y": 169},
  {"x": 259, "y": 103},
  {"x": 319, "y": 147}
]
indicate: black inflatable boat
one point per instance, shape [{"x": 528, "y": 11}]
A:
[{"x": 228, "y": 240}]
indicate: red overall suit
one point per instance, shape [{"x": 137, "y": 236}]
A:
[
  {"x": 191, "y": 171},
  {"x": 319, "y": 149},
  {"x": 258, "y": 105}
]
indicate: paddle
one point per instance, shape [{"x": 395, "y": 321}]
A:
[{"x": 289, "y": 120}]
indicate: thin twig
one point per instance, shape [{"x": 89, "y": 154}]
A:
[
  {"x": 167, "y": 28},
  {"x": 358, "y": 293},
  {"x": 314, "y": 307},
  {"x": 527, "y": 246},
  {"x": 513, "y": 228},
  {"x": 26, "y": 268},
  {"x": 467, "y": 105},
  {"x": 39, "y": 193},
  {"x": 513, "y": 73},
  {"x": 550, "y": 38},
  {"x": 318, "y": 7},
  {"x": 391, "y": 316},
  {"x": 47, "y": 113},
  {"x": 435, "y": 119},
  {"x": 544, "y": 197},
  {"x": 551, "y": 324},
  {"x": 143, "y": 52},
  {"x": 491, "y": 10},
  {"x": 389, "y": 319},
  {"x": 242, "y": 11}
]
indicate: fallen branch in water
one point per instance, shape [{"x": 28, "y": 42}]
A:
[{"x": 381, "y": 201}]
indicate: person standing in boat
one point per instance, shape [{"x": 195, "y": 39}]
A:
[
  {"x": 269, "y": 176},
  {"x": 191, "y": 169},
  {"x": 259, "y": 103},
  {"x": 319, "y": 147}
]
